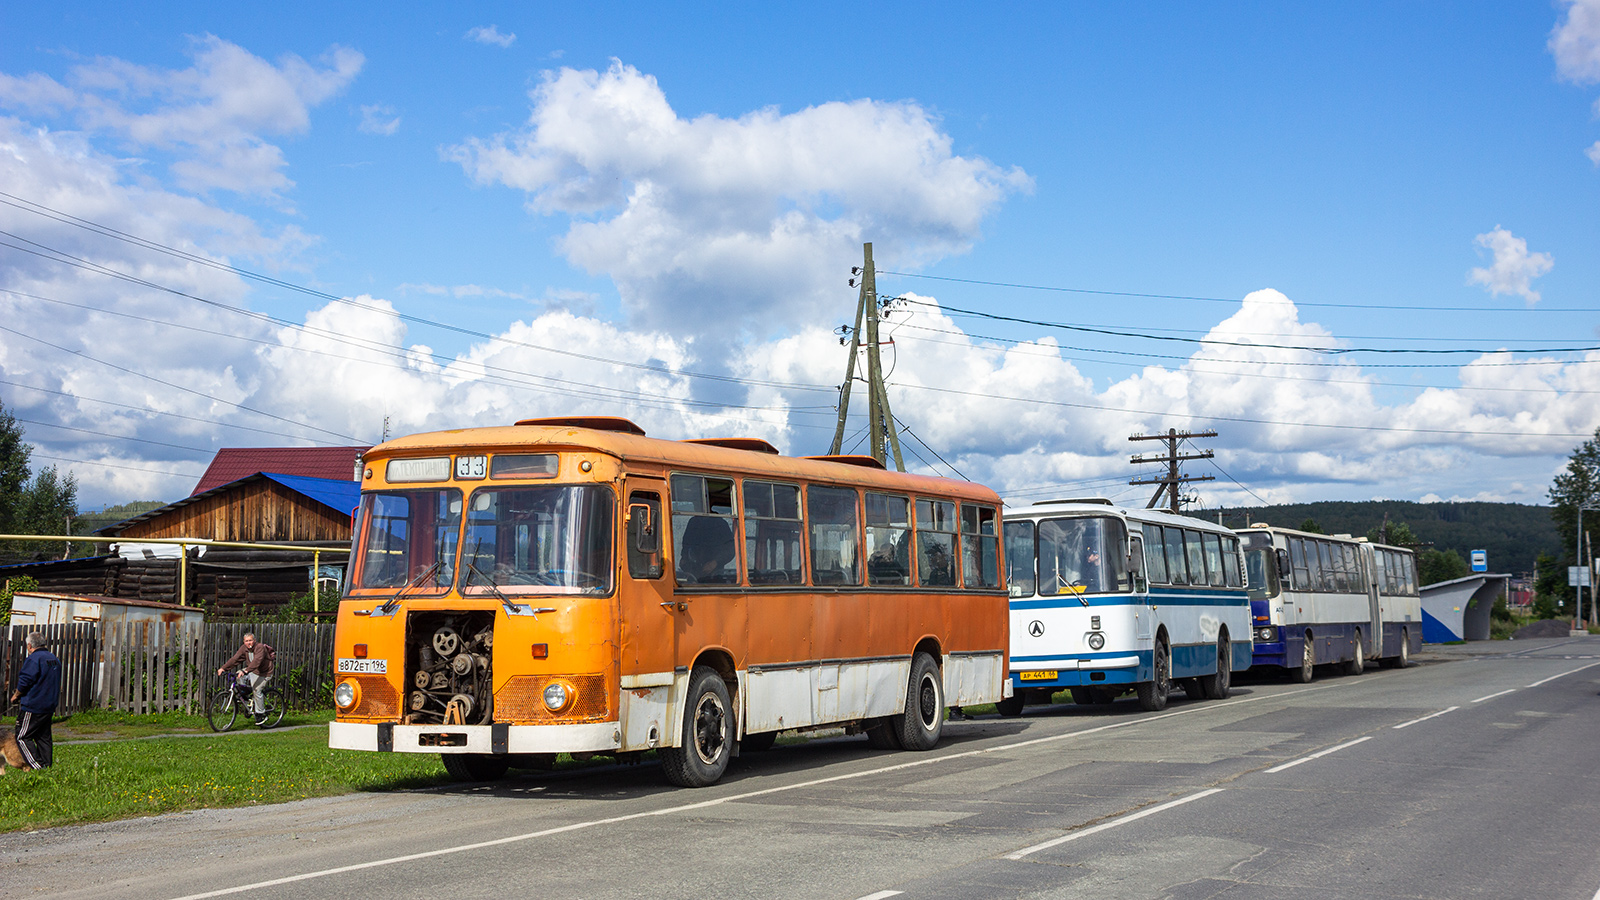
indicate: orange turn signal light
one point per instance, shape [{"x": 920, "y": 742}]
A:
[
  {"x": 541, "y": 651},
  {"x": 361, "y": 651}
]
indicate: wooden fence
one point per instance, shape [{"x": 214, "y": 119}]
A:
[
  {"x": 77, "y": 646},
  {"x": 149, "y": 667}
]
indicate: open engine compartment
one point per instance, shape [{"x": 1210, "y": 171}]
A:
[{"x": 449, "y": 676}]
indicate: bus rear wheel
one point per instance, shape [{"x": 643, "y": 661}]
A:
[
  {"x": 758, "y": 742},
  {"x": 1011, "y": 707},
  {"x": 1217, "y": 685},
  {"x": 919, "y": 727},
  {"x": 1153, "y": 694},
  {"x": 1357, "y": 663},
  {"x": 1403, "y": 658},
  {"x": 706, "y": 742},
  {"x": 1306, "y": 672}
]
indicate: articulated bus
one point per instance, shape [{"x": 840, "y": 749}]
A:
[
  {"x": 573, "y": 586},
  {"x": 1318, "y": 599},
  {"x": 1104, "y": 599}
]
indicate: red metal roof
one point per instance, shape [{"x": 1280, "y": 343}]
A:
[{"x": 233, "y": 463}]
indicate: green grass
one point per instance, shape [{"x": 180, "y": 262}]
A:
[
  {"x": 110, "y": 724},
  {"x": 121, "y": 779}
]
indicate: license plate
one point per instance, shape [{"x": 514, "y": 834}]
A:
[
  {"x": 1046, "y": 675},
  {"x": 363, "y": 666}
]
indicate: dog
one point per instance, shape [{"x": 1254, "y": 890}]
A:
[{"x": 10, "y": 751}]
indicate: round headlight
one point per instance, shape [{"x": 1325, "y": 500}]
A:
[
  {"x": 345, "y": 694},
  {"x": 555, "y": 696},
  {"x": 1096, "y": 641}
]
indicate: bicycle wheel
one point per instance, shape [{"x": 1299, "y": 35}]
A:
[
  {"x": 272, "y": 701},
  {"x": 221, "y": 711}
]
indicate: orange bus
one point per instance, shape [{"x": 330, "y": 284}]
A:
[{"x": 573, "y": 586}]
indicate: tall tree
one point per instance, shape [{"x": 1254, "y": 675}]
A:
[
  {"x": 43, "y": 503},
  {"x": 1578, "y": 486},
  {"x": 14, "y": 456}
]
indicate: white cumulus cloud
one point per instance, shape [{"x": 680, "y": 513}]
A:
[
  {"x": 1513, "y": 268},
  {"x": 1575, "y": 42},
  {"x": 379, "y": 119},
  {"x": 490, "y": 34},
  {"x": 714, "y": 225}
]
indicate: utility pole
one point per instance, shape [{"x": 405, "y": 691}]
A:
[
  {"x": 1169, "y": 483},
  {"x": 880, "y": 421}
]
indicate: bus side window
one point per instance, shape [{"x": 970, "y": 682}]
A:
[
  {"x": 1213, "y": 545},
  {"x": 772, "y": 533},
  {"x": 1230, "y": 562},
  {"x": 1156, "y": 559},
  {"x": 888, "y": 539},
  {"x": 835, "y": 535},
  {"x": 1325, "y": 553},
  {"x": 1020, "y": 558},
  {"x": 644, "y": 534},
  {"x": 1197, "y": 556},
  {"x": 1177, "y": 569},
  {"x": 936, "y": 543},
  {"x": 980, "y": 539},
  {"x": 1358, "y": 581},
  {"x": 1136, "y": 563},
  {"x": 1302, "y": 569},
  {"x": 703, "y": 541}
]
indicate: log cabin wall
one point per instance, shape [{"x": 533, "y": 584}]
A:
[{"x": 258, "y": 510}]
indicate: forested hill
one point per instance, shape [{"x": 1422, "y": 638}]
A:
[{"x": 1512, "y": 533}]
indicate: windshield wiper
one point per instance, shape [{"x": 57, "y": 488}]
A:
[
  {"x": 511, "y": 608},
  {"x": 392, "y": 603}
]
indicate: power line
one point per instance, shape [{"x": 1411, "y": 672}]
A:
[
  {"x": 144, "y": 409},
  {"x": 120, "y": 437},
  {"x": 106, "y": 465},
  {"x": 1183, "y": 340},
  {"x": 1376, "y": 306}
]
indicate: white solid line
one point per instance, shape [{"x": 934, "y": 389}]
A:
[
  {"x": 1318, "y": 754},
  {"x": 1492, "y": 696},
  {"x": 1563, "y": 675},
  {"x": 1427, "y": 717},
  {"x": 734, "y": 798},
  {"x": 882, "y": 895},
  {"x": 1026, "y": 851}
]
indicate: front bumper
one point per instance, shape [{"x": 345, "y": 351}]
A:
[{"x": 586, "y": 738}]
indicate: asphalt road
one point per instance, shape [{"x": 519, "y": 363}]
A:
[{"x": 1469, "y": 777}]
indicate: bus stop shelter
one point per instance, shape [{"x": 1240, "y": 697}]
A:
[{"x": 1458, "y": 610}]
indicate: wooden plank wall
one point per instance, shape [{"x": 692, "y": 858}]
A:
[
  {"x": 78, "y": 647},
  {"x": 261, "y": 510},
  {"x": 152, "y": 667}
]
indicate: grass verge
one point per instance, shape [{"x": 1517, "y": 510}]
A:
[
  {"x": 110, "y": 724},
  {"x": 122, "y": 779}
]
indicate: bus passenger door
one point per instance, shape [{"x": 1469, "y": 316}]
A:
[
  {"x": 1375, "y": 635},
  {"x": 648, "y": 611},
  {"x": 1141, "y": 589}
]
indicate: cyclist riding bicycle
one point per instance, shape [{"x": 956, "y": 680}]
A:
[{"x": 255, "y": 673}]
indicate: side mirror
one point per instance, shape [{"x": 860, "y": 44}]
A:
[
  {"x": 1283, "y": 563},
  {"x": 642, "y": 523}
]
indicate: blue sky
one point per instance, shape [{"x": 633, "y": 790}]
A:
[{"x": 690, "y": 187}]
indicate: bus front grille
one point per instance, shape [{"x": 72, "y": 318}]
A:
[
  {"x": 379, "y": 700},
  {"x": 522, "y": 700}
]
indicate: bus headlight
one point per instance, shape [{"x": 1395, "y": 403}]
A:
[
  {"x": 1266, "y": 635},
  {"x": 346, "y": 694},
  {"x": 557, "y": 696},
  {"x": 1096, "y": 640}
]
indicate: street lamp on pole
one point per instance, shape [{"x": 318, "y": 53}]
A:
[{"x": 1578, "y": 555}]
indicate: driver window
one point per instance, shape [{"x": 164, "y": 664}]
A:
[
  {"x": 703, "y": 530},
  {"x": 640, "y": 563}
]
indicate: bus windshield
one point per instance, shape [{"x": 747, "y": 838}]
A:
[
  {"x": 550, "y": 538},
  {"x": 410, "y": 535},
  {"x": 1261, "y": 567},
  {"x": 1082, "y": 556}
]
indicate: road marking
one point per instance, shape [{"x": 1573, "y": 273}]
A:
[
  {"x": 1563, "y": 674},
  {"x": 1027, "y": 851},
  {"x": 1427, "y": 717},
  {"x": 1492, "y": 696},
  {"x": 882, "y": 895},
  {"x": 1318, "y": 754},
  {"x": 733, "y": 798}
]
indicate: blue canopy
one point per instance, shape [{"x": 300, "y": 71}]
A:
[{"x": 339, "y": 494}]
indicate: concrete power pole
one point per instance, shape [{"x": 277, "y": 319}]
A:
[
  {"x": 1169, "y": 483},
  {"x": 880, "y": 421}
]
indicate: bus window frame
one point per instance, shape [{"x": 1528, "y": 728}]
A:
[
  {"x": 735, "y": 524},
  {"x": 454, "y": 555},
  {"x": 744, "y": 532}
]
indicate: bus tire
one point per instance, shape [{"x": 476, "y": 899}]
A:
[
  {"x": 1306, "y": 672},
  {"x": 706, "y": 742},
  {"x": 1105, "y": 696},
  {"x": 1011, "y": 707},
  {"x": 1403, "y": 658},
  {"x": 1153, "y": 694},
  {"x": 475, "y": 766},
  {"x": 882, "y": 735},
  {"x": 919, "y": 727},
  {"x": 1083, "y": 696},
  {"x": 1357, "y": 663},
  {"x": 1217, "y": 685},
  {"x": 758, "y": 742}
]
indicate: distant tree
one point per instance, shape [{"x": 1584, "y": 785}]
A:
[
  {"x": 14, "y": 456},
  {"x": 1311, "y": 526},
  {"x": 1552, "y": 596},
  {"x": 1578, "y": 486},
  {"x": 1435, "y": 566},
  {"x": 1400, "y": 534},
  {"x": 44, "y": 503}
]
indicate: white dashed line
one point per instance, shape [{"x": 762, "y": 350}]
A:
[
  {"x": 1426, "y": 717},
  {"x": 1492, "y": 696},
  {"x": 1111, "y": 824},
  {"x": 1563, "y": 674},
  {"x": 882, "y": 895},
  {"x": 1318, "y": 754}
]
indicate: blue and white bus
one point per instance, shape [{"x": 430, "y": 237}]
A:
[
  {"x": 1330, "y": 599},
  {"x": 1105, "y": 599}
]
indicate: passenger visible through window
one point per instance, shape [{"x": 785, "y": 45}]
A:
[{"x": 705, "y": 551}]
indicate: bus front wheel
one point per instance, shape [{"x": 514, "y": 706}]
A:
[
  {"x": 919, "y": 727},
  {"x": 1153, "y": 693},
  {"x": 475, "y": 766},
  {"x": 1307, "y": 669},
  {"x": 1217, "y": 685},
  {"x": 1011, "y": 707},
  {"x": 706, "y": 742}
]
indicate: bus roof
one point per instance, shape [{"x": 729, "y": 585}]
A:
[
  {"x": 1098, "y": 507},
  {"x": 742, "y": 456}
]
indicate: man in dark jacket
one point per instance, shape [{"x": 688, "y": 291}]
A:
[
  {"x": 256, "y": 672},
  {"x": 38, "y": 688}
]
